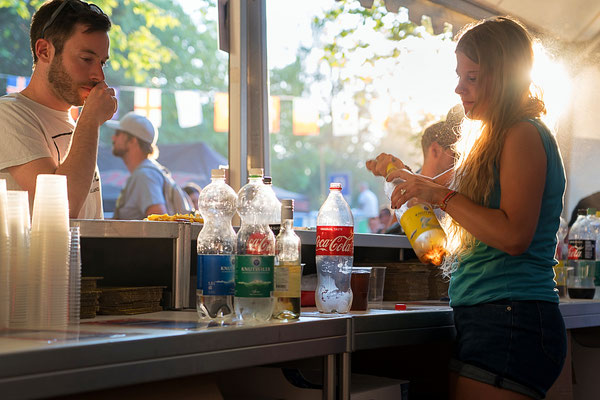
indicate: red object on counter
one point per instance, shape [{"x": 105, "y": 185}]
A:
[
  {"x": 307, "y": 298},
  {"x": 400, "y": 307}
]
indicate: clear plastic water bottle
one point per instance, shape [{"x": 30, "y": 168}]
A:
[
  {"x": 334, "y": 253},
  {"x": 255, "y": 257},
  {"x": 274, "y": 209},
  {"x": 420, "y": 225},
  {"x": 216, "y": 250},
  {"x": 581, "y": 258},
  {"x": 288, "y": 271}
]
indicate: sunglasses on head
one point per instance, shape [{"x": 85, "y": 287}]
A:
[{"x": 71, "y": 4}]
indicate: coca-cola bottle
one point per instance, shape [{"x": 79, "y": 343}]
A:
[
  {"x": 255, "y": 257},
  {"x": 216, "y": 250},
  {"x": 334, "y": 253}
]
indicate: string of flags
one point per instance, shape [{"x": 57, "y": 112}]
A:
[{"x": 305, "y": 114}]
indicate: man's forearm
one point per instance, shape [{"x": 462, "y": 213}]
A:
[{"x": 80, "y": 164}]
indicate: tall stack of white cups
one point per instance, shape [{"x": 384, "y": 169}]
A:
[
  {"x": 4, "y": 265},
  {"x": 49, "y": 253},
  {"x": 18, "y": 227}
]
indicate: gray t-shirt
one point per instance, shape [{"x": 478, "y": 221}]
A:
[
  {"x": 143, "y": 188},
  {"x": 30, "y": 131}
]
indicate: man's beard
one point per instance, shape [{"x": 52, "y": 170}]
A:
[
  {"x": 63, "y": 84},
  {"x": 119, "y": 152}
]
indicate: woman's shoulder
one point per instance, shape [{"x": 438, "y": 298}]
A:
[{"x": 526, "y": 132}]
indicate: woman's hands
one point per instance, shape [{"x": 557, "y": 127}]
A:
[
  {"x": 423, "y": 188},
  {"x": 379, "y": 165},
  {"x": 420, "y": 187}
]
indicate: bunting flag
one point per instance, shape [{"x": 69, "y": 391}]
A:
[
  {"x": 274, "y": 114},
  {"x": 379, "y": 108},
  {"x": 147, "y": 102},
  {"x": 344, "y": 114},
  {"x": 305, "y": 118},
  {"x": 15, "y": 84},
  {"x": 189, "y": 108},
  {"x": 221, "y": 122}
]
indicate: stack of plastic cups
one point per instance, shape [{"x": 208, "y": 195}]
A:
[
  {"x": 74, "y": 277},
  {"x": 18, "y": 226},
  {"x": 4, "y": 264},
  {"x": 49, "y": 254}
]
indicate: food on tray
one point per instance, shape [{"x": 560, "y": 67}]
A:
[{"x": 176, "y": 217}]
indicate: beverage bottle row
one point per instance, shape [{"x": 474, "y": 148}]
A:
[{"x": 236, "y": 273}]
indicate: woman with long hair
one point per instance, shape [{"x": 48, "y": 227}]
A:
[{"x": 504, "y": 198}]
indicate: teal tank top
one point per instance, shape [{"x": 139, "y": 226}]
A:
[{"x": 488, "y": 274}]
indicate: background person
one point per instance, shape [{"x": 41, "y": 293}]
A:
[
  {"x": 193, "y": 191},
  {"x": 135, "y": 142},
  {"x": 511, "y": 340},
  {"x": 70, "y": 46}
]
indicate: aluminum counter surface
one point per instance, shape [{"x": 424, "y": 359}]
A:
[{"x": 112, "y": 351}]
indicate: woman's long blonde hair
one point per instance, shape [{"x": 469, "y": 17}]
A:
[{"x": 504, "y": 51}]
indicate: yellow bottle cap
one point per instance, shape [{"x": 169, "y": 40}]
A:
[{"x": 390, "y": 167}]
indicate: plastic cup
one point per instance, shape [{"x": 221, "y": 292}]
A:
[
  {"x": 580, "y": 280},
  {"x": 376, "y": 284},
  {"x": 18, "y": 223},
  {"x": 74, "y": 276},
  {"x": 359, "y": 282}
]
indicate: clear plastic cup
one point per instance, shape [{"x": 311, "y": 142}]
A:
[
  {"x": 376, "y": 285},
  {"x": 359, "y": 283},
  {"x": 74, "y": 276},
  {"x": 18, "y": 223}
]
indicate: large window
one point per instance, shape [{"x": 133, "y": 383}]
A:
[
  {"x": 165, "y": 64},
  {"x": 348, "y": 83}
]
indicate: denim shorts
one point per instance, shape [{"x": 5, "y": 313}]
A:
[{"x": 515, "y": 345}]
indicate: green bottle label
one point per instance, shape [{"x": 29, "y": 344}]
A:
[{"x": 254, "y": 276}]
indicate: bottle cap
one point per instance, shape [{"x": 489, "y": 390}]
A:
[
  {"x": 255, "y": 172},
  {"x": 335, "y": 185},
  {"x": 400, "y": 307},
  {"x": 267, "y": 180},
  {"x": 217, "y": 173},
  {"x": 390, "y": 167},
  {"x": 287, "y": 209}
]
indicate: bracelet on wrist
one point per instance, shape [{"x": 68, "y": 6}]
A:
[{"x": 447, "y": 198}]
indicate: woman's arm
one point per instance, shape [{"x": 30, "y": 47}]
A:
[{"x": 522, "y": 179}]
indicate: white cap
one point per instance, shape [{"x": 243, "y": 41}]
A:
[{"x": 136, "y": 125}]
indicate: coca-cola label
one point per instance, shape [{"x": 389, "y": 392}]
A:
[
  {"x": 580, "y": 249},
  {"x": 258, "y": 243},
  {"x": 335, "y": 241}
]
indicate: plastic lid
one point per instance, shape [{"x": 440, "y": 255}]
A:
[
  {"x": 400, "y": 307},
  {"x": 256, "y": 172},
  {"x": 335, "y": 185},
  {"x": 267, "y": 180},
  {"x": 217, "y": 173}
]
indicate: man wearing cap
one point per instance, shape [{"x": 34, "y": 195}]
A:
[
  {"x": 135, "y": 142},
  {"x": 70, "y": 47}
]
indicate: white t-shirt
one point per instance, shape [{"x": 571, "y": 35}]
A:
[{"x": 30, "y": 131}]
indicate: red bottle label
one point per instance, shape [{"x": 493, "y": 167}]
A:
[
  {"x": 335, "y": 240},
  {"x": 258, "y": 244}
]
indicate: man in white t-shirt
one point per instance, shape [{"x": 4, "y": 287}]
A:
[{"x": 70, "y": 46}]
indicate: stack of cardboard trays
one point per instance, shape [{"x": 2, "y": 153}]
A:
[
  {"x": 412, "y": 280},
  {"x": 130, "y": 300},
  {"x": 89, "y": 296}
]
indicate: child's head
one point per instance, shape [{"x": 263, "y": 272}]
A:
[{"x": 501, "y": 50}]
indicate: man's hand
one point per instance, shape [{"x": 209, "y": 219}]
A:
[{"x": 101, "y": 104}]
